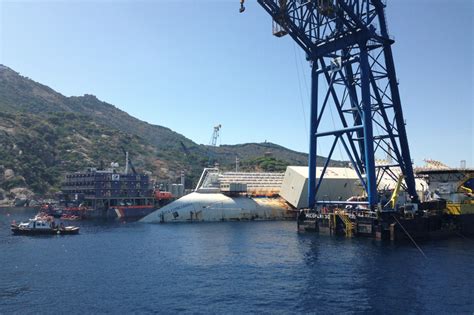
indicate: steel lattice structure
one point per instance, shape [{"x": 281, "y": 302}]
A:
[{"x": 348, "y": 45}]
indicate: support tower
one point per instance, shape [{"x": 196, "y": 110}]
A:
[{"x": 348, "y": 46}]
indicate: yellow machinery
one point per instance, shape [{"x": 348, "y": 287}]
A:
[
  {"x": 396, "y": 191},
  {"x": 467, "y": 205}
]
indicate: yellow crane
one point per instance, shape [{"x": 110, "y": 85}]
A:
[{"x": 396, "y": 191}]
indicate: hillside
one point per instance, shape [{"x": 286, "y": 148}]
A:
[
  {"x": 44, "y": 134},
  {"x": 40, "y": 149}
]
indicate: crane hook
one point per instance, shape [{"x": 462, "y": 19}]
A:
[{"x": 242, "y": 7}]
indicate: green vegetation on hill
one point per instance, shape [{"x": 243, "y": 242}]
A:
[
  {"x": 44, "y": 134},
  {"x": 264, "y": 164},
  {"x": 42, "y": 149}
]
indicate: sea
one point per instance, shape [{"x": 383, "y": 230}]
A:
[{"x": 227, "y": 267}]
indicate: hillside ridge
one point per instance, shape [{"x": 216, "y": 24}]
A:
[{"x": 44, "y": 130}]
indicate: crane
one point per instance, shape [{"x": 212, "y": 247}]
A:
[
  {"x": 213, "y": 143},
  {"x": 349, "y": 49},
  {"x": 128, "y": 162},
  {"x": 215, "y": 135}
]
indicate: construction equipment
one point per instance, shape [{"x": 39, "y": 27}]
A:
[
  {"x": 213, "y": 143},
  {"x": 128, "y": 162},
  {"x": 348, "y": 47},
  {"x": 396, "y": 191},
  {"x": 466, "y": 185},
  {"x": 242, "y": 7},
  {"x": 215, "y": 135}
]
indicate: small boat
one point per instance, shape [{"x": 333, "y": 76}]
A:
[{"x": 38, "y": 226}]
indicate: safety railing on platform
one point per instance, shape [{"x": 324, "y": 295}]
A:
[{"x": 348, "y": 225}]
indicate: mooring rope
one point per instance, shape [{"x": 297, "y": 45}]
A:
[
  {"x": 463, "y": 236},
  {"x": 411, "y": 238}
]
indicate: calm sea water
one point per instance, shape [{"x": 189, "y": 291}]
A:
[{"x": 236, "y": 267}]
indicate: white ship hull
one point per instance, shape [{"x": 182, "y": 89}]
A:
[{"x": 208, "y": 207}]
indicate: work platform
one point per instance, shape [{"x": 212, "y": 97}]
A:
[{"x": 386, "y": 225}]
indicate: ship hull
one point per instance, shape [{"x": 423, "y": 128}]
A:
[
  {"x": 123, "y": 212},
  {"x": 135, "y": 212},
  {"x": 211, "y": 207},
  {"x": 466, "y": 222},
  {"x": 26, "y": 231}
]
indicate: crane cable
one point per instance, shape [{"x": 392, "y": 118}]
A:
[
  {"x": 411, "y": 238},
  {"x": 308, "y": 95},
  {"x": 299, "y": 64},
  {"x": 301, "y": 91},
  {"x": 318, "y": 146}
]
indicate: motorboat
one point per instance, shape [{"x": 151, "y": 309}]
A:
[{"x": 39, "y": 226}]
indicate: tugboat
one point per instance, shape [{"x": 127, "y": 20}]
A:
[{"x": 40, "y": 226}]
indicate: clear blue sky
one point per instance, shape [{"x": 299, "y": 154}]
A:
[{"x": 189, "y": 65}]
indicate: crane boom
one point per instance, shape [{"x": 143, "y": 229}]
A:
[{"x": 128, "y": 162}]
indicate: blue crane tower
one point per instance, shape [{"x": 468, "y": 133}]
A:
[{"x": 349, "y": 48}]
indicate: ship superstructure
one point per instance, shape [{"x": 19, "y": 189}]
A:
[
  {"x": 250, "y": 183},
  {"x": 107, "y": 193}
]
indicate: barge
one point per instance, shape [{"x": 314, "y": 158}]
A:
[
  {"x": 446, "y": 209},
  {"x": 109, "y": 194}
]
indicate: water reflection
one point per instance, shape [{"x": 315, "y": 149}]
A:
[{"x": 242, "y": 243}]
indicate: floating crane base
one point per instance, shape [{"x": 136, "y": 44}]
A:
[{"x": 387, "y": 225}]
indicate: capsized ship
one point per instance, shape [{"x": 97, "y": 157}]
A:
[{"x": 229, "y": 196}]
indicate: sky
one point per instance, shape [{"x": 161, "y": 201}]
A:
[{"x": 192, "y": 64}]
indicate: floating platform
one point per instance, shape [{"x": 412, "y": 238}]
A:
[{"x": 386, "y": 225}]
